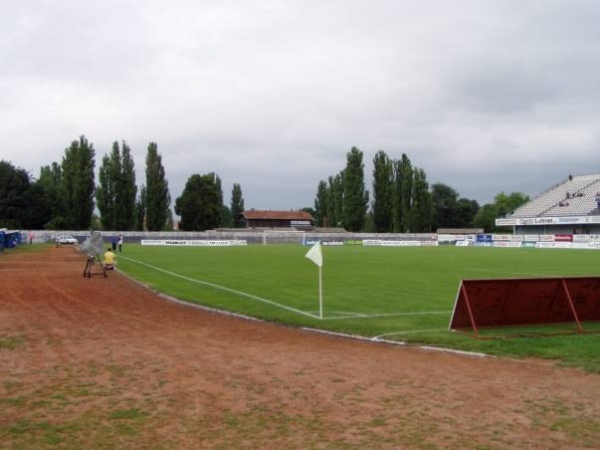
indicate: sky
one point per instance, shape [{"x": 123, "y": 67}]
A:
[{"x": 486, "y": 96}]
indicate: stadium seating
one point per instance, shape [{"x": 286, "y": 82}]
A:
[{"x": 575, "y": 196}]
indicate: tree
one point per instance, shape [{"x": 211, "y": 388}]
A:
[
  {"x": 140, "y": 210},
  {"x": 383, "y": 193},
  {"x": 77, "y": 184},
  {"x": 321, "y": 205},
  {"x": 309, "y": 210},
  {"x": 220, "y": 206},
  {"x": 355, "y": 197},
  {"x": 445, "y": 206},
  {"x": 38, "y": 211},
  {"x": 200, "y": 203},
  {"x": 486, "y": 217},
  {"x": 15, "y": 187},
  {"x": 503, "y": 204},
  {"x": 127, "y": 192},
  {"x": 335, "y": 200},
  {"x": 466, "y": 210},
  {"x": 53, "y": 203},
  {"x": 226, "y": 219},
  {"x": 106, "y": 193},
  {"x": 403, "y": 179},
  {"x": 449, "y": 211},
  {"x": 189, "y": 204},
  {"x": 158, "y": 198},
  {"x": 237, "y": 204},
  {"x": 116, "y": 194},
  {"x": 421, "y": 214},
  {"x": 506, "y": 204}
]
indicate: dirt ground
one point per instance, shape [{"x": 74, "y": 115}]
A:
[{"x": 105, "y": 363}]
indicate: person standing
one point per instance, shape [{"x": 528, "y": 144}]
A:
[
  {"x": 120, "y": 243},
  {"x": 113, "y": 242}
]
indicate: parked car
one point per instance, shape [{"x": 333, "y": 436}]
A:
[{"x": 66, "y": 239}]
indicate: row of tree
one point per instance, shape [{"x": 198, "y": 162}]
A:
[
  {"x": 117, "y": 199},
  {"x": 402, "y": 200},
  {"x": 66, "y": 195}
]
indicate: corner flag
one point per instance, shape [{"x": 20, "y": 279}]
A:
[{"x": 315, "y": 255}]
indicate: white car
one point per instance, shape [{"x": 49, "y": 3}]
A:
[{"x": 66, "y": 239}]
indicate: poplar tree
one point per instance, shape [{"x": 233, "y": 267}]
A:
[
  {"x": 321, "y": 201},
  {"x": 77, "y": 184},
  {"x": 220, "y": 210},
  {"x": 383, "y": 193},
  {"x": 421, "y": 209},
  {"x": 335, "y": 200},
  {"x": 127, "y": 191},
  {"x": 50, "y": 181},
  {"x": 158, "y": 198},
  {"x": 403, "y": 178},
  {"x": 237, "y": 204},
  {"x": 356, "y": 198},
  {"x": 105, "y": 193},
  {"x": 140, "y": 210},
  {"x": 117, "y": 191}
]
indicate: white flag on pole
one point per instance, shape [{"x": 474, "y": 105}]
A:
[{"x": 315, "y": 255}]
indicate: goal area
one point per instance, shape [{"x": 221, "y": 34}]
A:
[{"x": 284, "y": 237}]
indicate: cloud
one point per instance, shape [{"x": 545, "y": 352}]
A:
[{"x": 484, "y": 96}]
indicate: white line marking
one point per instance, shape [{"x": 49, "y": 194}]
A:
[
  {"x": 371, "y": 316},
  {"x": 216, "y": 286},
  {"x": 347, "y": 313},
  {"x": 395, "y": 333}
]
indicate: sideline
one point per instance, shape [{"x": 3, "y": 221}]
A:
[
  {"x": 223, "y": 288},
  {"x": 374, "y": 340},
  {"x": 341, "y": 315},
  {"x": 395, "y": 333}
]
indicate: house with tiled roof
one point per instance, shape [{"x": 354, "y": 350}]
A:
[{"x": 295, "y": 220}]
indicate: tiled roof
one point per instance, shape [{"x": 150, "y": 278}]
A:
[
  {"x": 277, "y": 215},
  {"x": 459, "y": 230}
]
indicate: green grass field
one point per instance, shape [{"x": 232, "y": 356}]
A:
[{"x": 394, "y": 293}]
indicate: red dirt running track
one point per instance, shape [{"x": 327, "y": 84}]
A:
[{"x": 105, "y": 363}]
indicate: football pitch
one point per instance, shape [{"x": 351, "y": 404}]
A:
[{"x": 402, "y": 294}]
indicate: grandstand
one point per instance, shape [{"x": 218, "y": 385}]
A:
[{"x": 571, "y": 206}]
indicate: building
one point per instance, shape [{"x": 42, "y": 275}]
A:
[
  {"x": 294, "y": 220},
  {"x": 572, "y": 206}
]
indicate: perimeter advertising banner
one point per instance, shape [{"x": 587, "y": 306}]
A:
[
  {"x": 581, "y": 238},
  {"x": 484, "y": 240},
  {"x": 563, "y": 238},
  {"x": 569, "y": 220},
  {"x": 194, "y": 243}
]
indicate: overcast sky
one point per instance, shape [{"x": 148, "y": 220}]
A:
[{"x": 486, "y": 96}]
